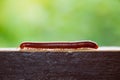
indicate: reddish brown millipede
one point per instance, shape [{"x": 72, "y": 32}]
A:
[{"x": 59, "y": 45}]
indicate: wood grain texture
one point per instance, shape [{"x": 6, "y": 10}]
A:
[{"x": 15, "y": 65}]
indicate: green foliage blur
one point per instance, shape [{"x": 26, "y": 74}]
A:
[{"x": 59, "y": 20}]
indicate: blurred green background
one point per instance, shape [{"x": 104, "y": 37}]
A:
[{"x": 59, "y": 20}]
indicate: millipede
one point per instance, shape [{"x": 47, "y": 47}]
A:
[{"x": 58, "y": 46}]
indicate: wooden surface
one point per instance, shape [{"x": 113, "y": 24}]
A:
[{"x": 89, "y": 65}]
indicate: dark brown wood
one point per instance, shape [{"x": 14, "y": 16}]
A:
[{"x": 15, "y": 65}]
